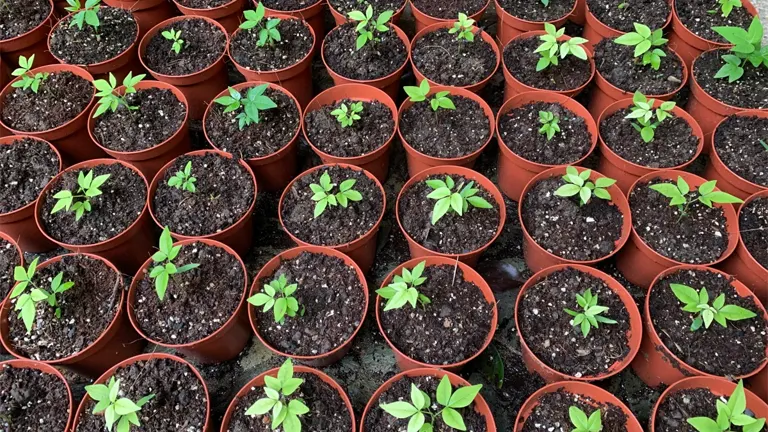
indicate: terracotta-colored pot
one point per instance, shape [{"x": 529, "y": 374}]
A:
[
  {"x": 238, "y": 236},
  {"x": 470, "y": 275},
  {"x": 510, "y": 26},
  {"x": 150, "y": 160},
  {"x": 584, "y": 389},
  {"x": 625, "y": 172},
  {"x": 595, "y": 30},
  {"x": 423, "y": 20},
  {"x": 340, "y": 18},
  {"x": 20, "y": 223},
  {"x": 640, "y": 264},
  {"x": 48, "y": 370},
  {"x": 514, "y": 171},
  {"x": 12, "y": 241},
  {"x": 59, "y": 8},
  {"x": 269, "y": 269},
  {"x": 480, "y": 405},
  {"x": 259, "y": 382},
  {"x": 148, "y": 13},
  {"x": 118, "y": 341},
  {"x": 5, "y": 76},
  {"x": 31, "y": 42},
  {"x": 375, "y": 162},
  {"x": 312, "y": 14},
  {"x": 758, "y": 383},
  {"x": 362, "y": 249},
  {"x": 200, "y": 87},
  {"x": 144, "y": 357},
  {"x": 128, "y": 249},
  {"x": 70, "y": 138},
  {"x": 275, "y": 170},
  {"x": 390, "y": 83},
  {"x": 228, "y": 15},
  {"x": 469, "y": 258}
]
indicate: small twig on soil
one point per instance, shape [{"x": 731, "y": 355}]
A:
[{"x": 455, "y": 268}]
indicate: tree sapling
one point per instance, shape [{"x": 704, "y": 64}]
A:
[
  {"x": 747, "y": 47},
  {"x": 164, "y": 267},
  {"x": 348, "y": 115},
  {"x": 367, "y": 28},
  {"x": 643, "y": 111},
  {"x": 27, "y": 302},
  {"x": 644, "y": 40},
  {"x": 726, "y": 7},
  {"x": 278, "y": 296},
  {"x": 285, "y": 410},
  {"x": 175, "y": 36},
  {"x": 109, "y": 99},
  {"x": 590, "y": 315},
  {"x": 420, "y": 94},
  {"x": 117, "y": 410},
  {"x": 578, "y": 184},
  {"x": 86, "y": 14},
  {"x": 324, "y": 198},
  {"x": 549, "y": 124},
  {"x": 706, "y": 194},
  {"x": 80, "y": 201},
  {"x": 184, "y": 179},
  {"x": 268, "y": 32},
  {"x": 253, "y": 102},
  {"x": 582, "y": 423},
  {"x": 463, "y": 28},
  {"x": 698, "y": 304},
  {"x": 27, "y": 80},
  {"x": 458, "y": 200},
  {"x": 733, "y": 413},
  {"x": 551, "y": 51},
  {"x": 403, "y": 290}
]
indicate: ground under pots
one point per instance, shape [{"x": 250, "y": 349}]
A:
[
  {"x": 31, "y": 399},
  {"x": 9, "y": 258},
  {"x": 116, "y": 32},
  {"x": 17, "y": 18},
  {"x": 520, "y": 59},
  {"x": 753, "y": 223},
  {"x": 748, "y": 92},
  {"x": 742, "y": 144},
  {"x": 295, "y": 43},
  {"x": 374, "y": 128},
  {"x": 538, "y": 11},
  {"x": 450, "y": 9},
  {"x": 204, "y": 43},
  {"x": 377, "y": 59},
  {"x": 697, "y": 16},
  {"x": 652, "y": 13},
  {"x": 618, "y": 65},
  {"x": 27, "y": 165},
  {"x": 552, "y": 413},
  {"x": 446, "y": 60},
  {"x": 344, "y": 7}
]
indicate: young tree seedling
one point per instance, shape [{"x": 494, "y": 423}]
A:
[
  {"x": 348, "y": 115},
  {"x": 184, "y": 180},
  {"x": 253, "y": 102},
  {"x": 579, "y": 184},
  {"x": 175, "y": 36},
  {"x": 420, "y": 94},
  {"x": 278, "y": 296},
  {"x": 747, "y": 47},
  {"x": 458, "y": 201},
  {"x": 268, "y": 32},
  {"x": 549, "y": 124},
  {"x": 706, "y": 194},
  {"x": 80, "y": 201},
  {"x": 582, "y": 423},
  {"x": 643, "y": 112},
  {"x": 421, "y": 413},
  {"x": 87, "y": 14},
  {"x": 367, "y": 27},
  {"x": 403, "y": 290},
  {"x": 623, "y": 5},
  {"x": 117, "y": 410},
  {"x": 164, "y": 267},
  {"x": 726, "y": 7},
  {"x": 590, "y": 314},
  {"x": 551, "y": 51},
  {"x": 644, "y": 40},
  {"x": 27, "y": 302},
  {"x": 698, "y": 304},
  {"x": 733, "y": 413},
  {"x": 285, "y": 410},
  {"x": 109, "y": 99},
  {"x": 324, "y": 197},
  {"x": 28, "y": 80},
  {"x": 463, "y": 28}
]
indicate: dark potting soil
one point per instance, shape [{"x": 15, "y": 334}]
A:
[
  {"x": 203, "y": 4},
  {"x": 204, "y": 43},
  {"x": 60, "y": 99},
  {"x": 536, "y": 11},
  {"x": 224, "y": 193},
  {"x": 158, "y": 116},
  {"x": 376, "y": 59},
  {"x": 617, "y": 64},
  {"x": 567, "y": 229},
  {"x": 700, "y": 237},
  {"x": 27, "y": 165},
  {"x": 337, "y": 225},
  {"x": 197, "y": 303},
  {"x": 548, "y": 331},
  {"x": 753, "y": 223},
  {"x": 32, "y": 400},
  {"x": 9, "y": 258},
  {"x": 289, "y": 5},
  {"x": 449, "y": 9},
  {"x": 724, "y": 351},
  {"x": 452, "y": 234},
  {"x": 117, "y": 31},
  {"x": 653, "y": 13},
  {"x": 375, "y": 127},
  {"x": 673, "y": 141},
  {"x": 681, "y": 405},
  {"x": 742, "y": 145},
  {"x": 519, "y": 130},
  {"x": 446, "y": 60},
  {"x": 275, "y": 129},
  {"x": 695, "y": 16},
  {"x": 179, "y": 403},
  {"x": 328, "y": 412},
  {"x": 446, "y": 133},
  {"x": 122, "y": 200},
  {"x": 520, "y": 59},
  {"x": 295, "y": 43},
  {"x": 17, "y": 18},
  {"x": 86, "y": 310},
  {"x": 332, "y": 300},
  {"x": 379, "y": 6},
  {"x": 377, "y": 420},
  {"x": 552, "y": 413},
  {"x": 748, "y": 92}
]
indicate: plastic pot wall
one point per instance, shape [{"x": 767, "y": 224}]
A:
[
  {"x": 312, "y": 14},
  {"x": 19, "y": 252},
  {"x": 423, "y": 20},
  {"x": 340, "y": 18},
  {"x": 228, "y": 14}
]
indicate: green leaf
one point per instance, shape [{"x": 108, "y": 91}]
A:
[
  {"x": 416, "y": 422},
  {"x": 440, "y": 209},
  {"x": 567, "y": 190},
  {"x": 464, "y": 396},
  {"x": 444, "y": 390},
  {"x": 401, "y": 410},
  {"x": 124, "y": 406},
  {"x": 736, "y": 313},
  {"x": 704, "y": 424},
  {"x": 97, "y": 392},
  {"x": 452, "y": 418}
]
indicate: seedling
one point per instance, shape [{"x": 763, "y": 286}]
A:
[
  {"x": 764, "y": 144},
  {"x": 348, "y": 115},
  {"x": 698, "y": 303},
  {"x": 109, "y": 99},
  {"x": 551, "y": 51},
  {"x": 175, "y": 36},
  {"x": 420, "y": 94},
  {"x": 117, "y": 410},
  {"x": 324, "y": 197},
  {"x": 643, "y": 111},
  {"x": 726, "y": 6},
  {"x": 549, "y": 124},
  {"x": 644, "y": 40},
  {"x": 88, "y": 14},
  {"x": 458, "y": 200},
  {"x": 285, "y": 410},
  {"x": 589, "y": 316},
  {"x": 422, "y": 413},
  {"x": 254, "y": 101},
  {"x": 706, "y": 194},
  {"x": 403, "y": 290},
  {"x": 747, "y": 47},
  {"x": 545, "y": 2},
  {"x": 183, "y": 179},
  {"x": 582, "y": 423},
  {"x": 623, "y": 5},
  {"x": 27, "y": 302},
  {"x": 165, "y": 268},
  {"x": 28, "y": 80},
  {"x": 268, "y": 33},
  {"x": 578, "y": 184},
  {"x": 278, "y": 296},
  {"x": 729, "y": 415},
  {"x": 463, "y": 28},
  {"x": 80, "y": 201},
  {"x": 367, "y": 27}
]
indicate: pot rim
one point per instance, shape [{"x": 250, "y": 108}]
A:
[
  {"x": 396, "y": 13},
  {"x": 761, "y": 194},
  {"x": 46, "y": 20},
  {"x": 714, "y": 154},
  {"x": 748, "y": 6},
  {"x": 476, "y": 14},
  {"x": 671, "y": 4},
  {"x": 504, "y": 14}
]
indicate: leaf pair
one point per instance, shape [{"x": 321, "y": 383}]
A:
[
  {"x": 184, "y": 179},
  {"x": 698, "y": 304},
  {"x": 403, "y": 290},
  {"x": 421, "y": 93},
  {"x": 253, "y": 102},
  {"x": 706, "y": 194},
  {"x": 582, "y": 423},
  {"x": 549, "y": 123},
  {"x": 175, "y": 36},
  {"x": 324, "y": 197},
  {"x": 591, "y": 313},
  {"x": 463, "y": 28},
  {"x": 278, "y": 296},
  {"x": 285, "y": 412},
  {"x": 457, "y": 201},
  {"x": 117, "y": 410},
  {"x": 165, "y": 267},
  {"x": 578, "y": 184}
]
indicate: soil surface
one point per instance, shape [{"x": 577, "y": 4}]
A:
[
  {"x": 158, "y": 117},
  {"x": 376, "y": 59},
  {"x": 536, "y": 11},
  {"x": 346, "y": 6},
  {"x": 17, "y": 18},
  {"x": 203, "y": 4},
  {"x": 449, "y": 9},
  {"x": 519, "y": 130},
  {"x": 295, "y": 43},
  {"x": 336, "y": 225},
  {"x": 695, "y": 16},
  {"x": 617, "y": 64},
  {"x": 552, "y": 413},
  {"x": 699, "y": 237},
  {"x": 204, "y": 44},
  {"x": 452, "y": 234},
  {"x": 224, "y": 193},
  {"x": 445, "y": 133},
  {"x": 748, "y": 92},
  {"x": 653, "y": 13},
  {"x": 753, "y": 223},
  {"x": 275, "y": 129},
  {"x": 375, "y": 127},
  {"x": 116, "y": 33},
  {"x": 673, "y": 141},
  {"x": 739, "y": 144},
  {"x": 289, "y": 5},
  {"x": 27, "y": 165},
  {"x": 31, "y": 399},
  {"x": 9, "y": 258},
  {"x": 454, "y": 62},
  {"x": 684, "y": 404},
  {"x": 331, "y": 306},
  {"x": 520, "y": 60}
]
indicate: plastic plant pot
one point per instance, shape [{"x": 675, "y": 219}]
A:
[
  {"x": 423, "y": 20},
  {"x": 49, "y": 370},
  {"x": 31, "y": 42},
  {"x": 9, "y": 239},
  {"x": 758, "y": 383},
  {"x": 510, "y": 26},
  {"x": 228, "y": 14},
  {"x": 340, "y": 18},
  {"x": 312, "y": 14},
  {"x": 595, "y": 30},
  {"x": 148, "y": 13}
]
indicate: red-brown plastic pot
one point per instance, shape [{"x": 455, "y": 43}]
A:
[
  {"x": 595, "y": 30},
  {"x": 510, "y": 26},
  {"x": 118, "y": 341},
  {"x": 150, "y": 160},
  {"x": 470, "y": 275},
  {"x": 239, "y": 235},
  {"x": 312, "y": 14},
  {"x": 31, "y": 42},
  {"x": 200, "y": 87},
  {"x": 228, "y": 14},
  {"x": 423, "y": 20},
  {"x": 514, "y": 171},
  {"x": 590, "y": 393},
  {"x": 363, "y": 249},
  {"x": 48, "y": 370},
  {"x": 12, "y": 241},
  {"x": 640, "y": 264},
  {"x": 468, "y": 258},
  {"x": 375, "y": 162},
  {"x": 625, "y": 172},
  {"x": 340, "y": 18},
  {"x": 148, "y": 13},
  {"x": 758, "y": 383},
  {"x": 266, "y": 272},
  {"x": 223, "y": 344}
]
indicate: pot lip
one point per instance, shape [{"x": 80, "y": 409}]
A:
[
  {"x": 715, "y": 155},
  {"x": 219, "y": 7},
  {"x": 8, "y": 140},
  {"x": 748, "y": 6},
  {"x": 140, "y": 275},
  {"x": 314, "y": 5},
  {"x": 46, "y": 20},
  {"x": 671, "y": 4},
  {"x": 397, "y": 12},
  {"x": 479, "y": 12},
  {"x": 761, "y": 194},
  {"x": 438, "y": 260},
  {"x": 651, "y": 328},
  {"x": 293, "y": 252},
  {"x": 617, "y": 288},
  {"x": 508, "y": 15},
  {"x": 686, "y": 75}
]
